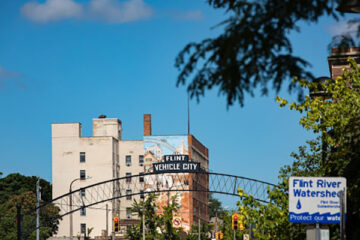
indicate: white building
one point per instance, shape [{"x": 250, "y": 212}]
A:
[
  {"x": 80, "y": 161},
  {"x": 88, "y": 160}
]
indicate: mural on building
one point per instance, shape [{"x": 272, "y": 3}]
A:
[{"x": 155, "y": 148}]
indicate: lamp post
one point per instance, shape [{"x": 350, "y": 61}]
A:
[
  {"x": 70, "y": 205},
  {"x": 321, "y": 93},
  {"x": 70, "y": 200}
]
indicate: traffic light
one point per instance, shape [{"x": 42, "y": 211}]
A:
[
  {"x": 219, "y": 235},
  {"x": 116, "y": 224},
  {"x": 241, "y": 223},
  {"x": 241, "y": 226},
  {"x": 235, "y": 223}
]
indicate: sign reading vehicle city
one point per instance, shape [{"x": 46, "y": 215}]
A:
[
  {"x": 176, "y": 163},
  {"x": 315, "y": 199}
]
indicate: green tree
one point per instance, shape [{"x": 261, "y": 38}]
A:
[
  {"x": 8, "y": 224},
  {"x": 271, "y": 219},
  {"x": 167, "y": 229},
  {"x": 226, "y": 227},
  {"x": 151, "y": 219},
  {"x": 336, "y": 117},
  {"x": 15, "y": 184},
  {"x": 254, "y": 49},
  {"x": 215, "y": 208},
  {"x": 205, "y": 230},
  {"x": 16, "y": 188},
  {"x": 157, "y": 226}
]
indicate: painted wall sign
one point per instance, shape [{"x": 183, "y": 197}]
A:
[
  {"x": 176, "y": 166},
  {"x": 315, "y": 199},
  {"x": 161, "y": 154}
]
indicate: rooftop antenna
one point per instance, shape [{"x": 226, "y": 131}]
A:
[{"x": 188, "y": 108}]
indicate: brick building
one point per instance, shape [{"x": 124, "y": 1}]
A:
[{"x": 338, "y": 60}]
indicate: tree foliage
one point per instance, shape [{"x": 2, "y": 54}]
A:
[
  {"x": 270, "y": 220},
  {"x": 8, "y": 220},
  {"x": 15, "y": 184},
  {"x": 18, "y": 189},
  {"x": 215, "y": 208},
  {"x": 336, "y": 117},
  {"x": 205, "y": 229},
  {"x": 157, "y": 226},
  {"x": 254, "y": 49}
]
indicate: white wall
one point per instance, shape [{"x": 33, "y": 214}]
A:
[{"x": 66, "y": 166}]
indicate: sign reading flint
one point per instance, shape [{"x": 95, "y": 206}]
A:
[
  {"x": 315, "y": 199},
  {"x": 178, "y": 157}
]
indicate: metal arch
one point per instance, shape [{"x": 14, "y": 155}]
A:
[
  {"x": 156, "y": 183},
  {"x": 116, "y": 188}
]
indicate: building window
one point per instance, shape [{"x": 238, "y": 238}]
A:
[
  {"x": 142, "y": 196},
  {"x": 141, "y": 160},
  {"x": 128, "y": 194},
  {"x": 83, "y": 228},
  {"x": 82, "y": 156},
  {"x": 128, "y": 160},
  {"x": 82, "y": 211},
  {"x": 141, "y": 178},
  {"x": 82, "y": 175},
  {"x": 128, "y": 213},
  {"x": 82, "y": 192},
  {"x": 128, "y": 177}
]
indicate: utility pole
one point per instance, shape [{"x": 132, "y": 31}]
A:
[
  {"x": 107, "y": 222},
  {"x": 38, "y": 198},
  {"x": 188, "y": 106},
  {"x": 216, "y": 221},
  {"x": 18, "y": 218},
  {"x": 143, "y": 220},
  {"x": 199, "y": 237}
]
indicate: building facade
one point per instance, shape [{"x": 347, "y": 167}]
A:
[
  {"x": 339, "y": 59},
  {"x": 79, "y": 161}
]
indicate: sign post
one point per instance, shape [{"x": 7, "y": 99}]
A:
[
  {"x": 342, "y": 214},
  {"x": 317, "y": 200}
]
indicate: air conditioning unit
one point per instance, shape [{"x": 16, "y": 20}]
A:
[{"x": 128, "y": 164}]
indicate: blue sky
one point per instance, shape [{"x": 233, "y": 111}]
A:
[{"x": 72, "y": 60}]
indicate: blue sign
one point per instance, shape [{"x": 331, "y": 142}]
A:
[{"x": 315, "y": 199}]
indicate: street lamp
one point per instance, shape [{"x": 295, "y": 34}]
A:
[
  {"x": 70, "y": 205},
  {"x": 321, "y": 93}
]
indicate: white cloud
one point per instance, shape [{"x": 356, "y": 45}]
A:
[
  {"x": 113, "y": 11},
  {"x": 343, "y": 28},
  {"x": 110, "y": 11},
  {"x": 52, "y": 10},
  {"x": 190, "y": 15},
  {"x": 8, "y": 74},
  {"x": 10, "y": 77}
]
